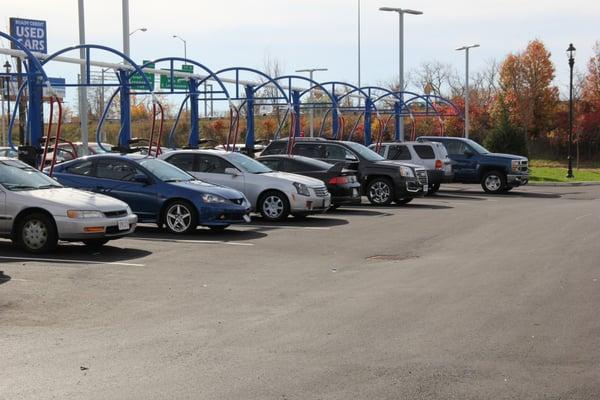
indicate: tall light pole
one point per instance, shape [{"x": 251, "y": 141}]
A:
[
  {"x": 125, "y": 15},
  {"x": 571, "y": 55},
  {"x": 311, "y": 121},
  {"x": 83, "y": 100},
  {"x": 184, "y": 45},
  {"x": 466, "y": 49},
  {"x": 7, "y": 67},
  {"x": 401, "y": 13},
  {"x": 359, "y": 84}
]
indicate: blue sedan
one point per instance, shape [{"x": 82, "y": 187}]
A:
[{"x": 157, "y": 191}]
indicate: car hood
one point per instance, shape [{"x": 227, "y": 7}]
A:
[
  {"x": 73, "y": 199},
  {"x": 506, "y": 156},
  {"x": 308, "y": 181},
  {"x": 396, "y": 164},
  {"x": 205, "y": 187}
]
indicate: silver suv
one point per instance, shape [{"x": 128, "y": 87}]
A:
[{"x": 432, "y": 156}]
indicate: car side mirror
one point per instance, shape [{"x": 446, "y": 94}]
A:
[
  {"x": 141, "y": 178},
  {"x": 232, "y": 171}
]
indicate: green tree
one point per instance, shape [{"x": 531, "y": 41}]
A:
[{"x": 505, "y": 136}]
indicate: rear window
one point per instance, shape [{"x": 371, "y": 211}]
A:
[
  {"x": 424, "y": 151},
  {"x": 275, "y": 148}
]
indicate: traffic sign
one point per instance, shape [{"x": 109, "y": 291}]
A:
[
  {"x": 137, "y": 82},
  {"x": 179, "y": 83}
]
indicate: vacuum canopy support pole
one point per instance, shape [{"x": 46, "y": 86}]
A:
[
  {"x": 36, "y": 115},
  {"x": 249, "y": 120},
  {"x": 368, "y": 114},
  {"x": 296, "y": 104},
  {"x": 335, "y": 119},
  {"x": 194, "y": 139},
  {"x": 125, "y": 136},
  {"x": 397, "y": 121}
]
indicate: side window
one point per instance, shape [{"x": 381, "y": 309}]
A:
[
  {"x": 212, "y": 164},
  {"x": 293, "y": 166},
  {"x": 83, "y": 168},
  {"x": 275, "y": 148},
  {"x": 456, "y": 147},
  {"x": 338, "y": 153},
  {"x": 399, "y": 153},
  {"x": 183, "y": 161},
  {"x": 424, "y": 151},
  {"x": 308, "y": 150},
  {"x": 115, "y": 169},
  {"x": 273, "y": 164},
  {"x": 381, "y": 150}
]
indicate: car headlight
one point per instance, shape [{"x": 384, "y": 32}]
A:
[
  {"x": 76, "y": 214},
  {"x": 212, "y": 198},
  {"x": 407, "y": 172},
  {"x": 302, "y": 189},
  {"x": 515, "y": 165}
]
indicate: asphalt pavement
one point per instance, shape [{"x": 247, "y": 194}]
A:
[{"x": 461, "y": 295}]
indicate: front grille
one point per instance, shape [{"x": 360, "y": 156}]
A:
[
  {"x": 233, "y": 217},
  {"x": 239, "y": 202},
  {"x": 321, "y": 191},
  {"x": 422, "y": 176},
  {"x": 111, "y": 230},
  {"x": 115, "y": 214}
]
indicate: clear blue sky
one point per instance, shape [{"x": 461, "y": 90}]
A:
[{"x": 322, "y": 33}]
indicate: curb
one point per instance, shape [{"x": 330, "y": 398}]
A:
[{"x": 562, "y": 184}]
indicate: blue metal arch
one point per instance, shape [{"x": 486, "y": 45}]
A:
[{"x": 270, "y": 80}]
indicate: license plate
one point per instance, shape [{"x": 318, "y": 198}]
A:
[
  {"x": 425, "y": 189},
  {"x": 247, "y": 218},
  {"x": 354, "y": 192},
  {"x": 326, "y": 203},
  {"x": 123, "y": 225}
]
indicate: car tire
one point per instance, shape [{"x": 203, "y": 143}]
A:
[
  {"x": 404, "y": 200},
  {"x": 273, "y": 206},
  {"x": 380, "y": 192},
  {"x": 493, "y": 182},
  {"x": 95, "y": 243},
  {"x": 36, "y": 233},
  {"x": 180, "y": 217}
]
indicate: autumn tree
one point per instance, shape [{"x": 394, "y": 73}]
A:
[{"x": 526, "y": 86}]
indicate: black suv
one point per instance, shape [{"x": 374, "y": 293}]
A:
[{"x": 383, "y": 181}]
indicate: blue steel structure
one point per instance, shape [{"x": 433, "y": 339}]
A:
[{"x": 249, "y": 94}]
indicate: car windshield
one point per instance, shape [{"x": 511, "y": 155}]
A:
[
  {"x": 164, "y": 171},
  {"x": 247, "y": 164},
  {"x": 477, "y": 147},
  {"x": 16, "y": 176},
  {"x": 364, "y": 152}
]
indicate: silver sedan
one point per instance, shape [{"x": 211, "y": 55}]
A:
[{"x": 36, "y": 211}]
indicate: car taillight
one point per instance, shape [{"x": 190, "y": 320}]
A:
[
  {"x": 338, "y": 180},
  {"x": 439, "y": 164}
]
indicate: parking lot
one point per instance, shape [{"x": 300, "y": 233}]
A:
[{"x": 459, "y": 295}]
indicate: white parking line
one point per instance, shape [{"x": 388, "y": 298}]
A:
[
  {"x": 35, "y": 259},
  {"x": 191, "y": 241}
]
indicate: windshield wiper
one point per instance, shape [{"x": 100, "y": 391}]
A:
[
  {"x": 177, "y": 180},
  {"x": 49, "y": 186},
  {"x": 22, "y": 187}
]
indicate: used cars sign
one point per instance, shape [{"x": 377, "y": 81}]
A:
[{"x": 31, "y": 33}]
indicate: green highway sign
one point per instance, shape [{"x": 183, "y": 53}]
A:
[
  {"x": 179, "y": 83},
  {"x": 137, "y": 81}
]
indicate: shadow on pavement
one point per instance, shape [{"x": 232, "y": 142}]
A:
[
  {"x": 358, "y": 211},
  {"x": 469, "y": 195},
  {"x": 202, "y": 234},
  {"x": 4, "y": 278},
  {"x": 75, "y": 253},
  {"x": 307, "y": 222}
]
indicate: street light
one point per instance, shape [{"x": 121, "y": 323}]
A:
[
  {"x": 311, "y": 71},
  {"x": 571, "y": 55},
  {"x": 401, "y": 13},
  {"x": 184, "y": 45},
  {"x": 466, "y": 49},
  {"x": 138, "y": 29}
]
